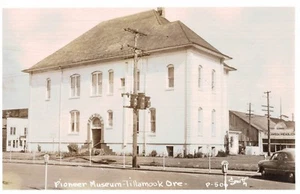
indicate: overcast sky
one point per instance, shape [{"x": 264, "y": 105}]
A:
[{"x": 260, "y": 41}]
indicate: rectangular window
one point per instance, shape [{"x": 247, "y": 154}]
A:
[
  {"x": 48, "y": 89},
  {"x": 153, "y": 120},
  {"x": 25, "y": 131},
  {"x": 199, "y": 76},
  {"x": 110, "y": 118},
  {"x": 138, "y": 122},
  {"x": 138, "y": 80},
  {"x": 213, "y": 123},
  {"x": 9, "y": 143},
  {"x": 14, "y": 143},
  {"x": 17, "y": 144},
  {"x": 213, "y": 79},
  {"x": 200, "y": 121},
  {"x": 170, "y": 76},
  {"x": 122, "y": 82},
  {"x": 11, "y": 130},
  {"x": 111, "y": 82},
  {"x": 21, "y": 143},
  {"x": 96, "y": 83},
  {"x": 75, "y": 121},
  {"x": 14, "y": 131},
  {"x": 75, "y": 86}
]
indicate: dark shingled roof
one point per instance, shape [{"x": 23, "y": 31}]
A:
[{"x": 108, "y": 40}]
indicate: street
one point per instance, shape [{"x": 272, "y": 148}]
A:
[{"x": 32, "y": 176}]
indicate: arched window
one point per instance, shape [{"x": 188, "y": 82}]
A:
[
  {"x": 200, "y": 121},
  {"x": 110, "y": 81},
  {"x": 171, "y": 76},
  {"x": 213, "y": 122},
  {"x": 96, "y": 123},
  {"x": 75, "y": 121},
  {"x": 48, "y": 86},
  {"x": 75, "y": 85},
  {"x": 199, "y": 76},
  {"x": 110, "y": 118},
  {"x": 213, "y": 79},
  {"x": 153, "y": 120},
  {"x": 96, "y": 83}
]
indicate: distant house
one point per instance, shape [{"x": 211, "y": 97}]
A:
[
  {"x": 14, "y": 129},
  {"x": 76, "y": 91},
  {"x": 255, "y": 134}
]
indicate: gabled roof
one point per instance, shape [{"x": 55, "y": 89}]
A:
[
  {"x": 261, "y": 122},
  {"x": 108, "y": 40}
]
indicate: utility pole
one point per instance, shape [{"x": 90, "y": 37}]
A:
[
  {"x": 268, "y": 116},
  {"x": 135, "y": 108},
  {"x": 250, "y": 115}
]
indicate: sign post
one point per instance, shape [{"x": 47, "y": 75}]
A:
[
  {"x": 224, "y": 164},
  {"x": 46, "y": 159}
]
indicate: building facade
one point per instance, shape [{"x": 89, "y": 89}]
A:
[
  {"x": 17, "y": 129},
  {"x": 254, "y": 134},
  {"x": 77, "y": 98}
]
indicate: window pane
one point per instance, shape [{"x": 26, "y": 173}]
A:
[
  {"x": 138, "y": 80},
  {"x": 199, "y": 76},
  {"x": 94, "y": 84},
  {"x": 171, "y": 76},
  {"x": 78, "y": 86},
  {"x": 153, "y": 120},
  {"x": 111, "y": 82},
  {"x": 77, "y": 121},
  {"x": 72, "y": 86},
  {"x": 100, "y": 83},
  {"x": 200, "y": 121},
  {"x": 72, "y": 122}
]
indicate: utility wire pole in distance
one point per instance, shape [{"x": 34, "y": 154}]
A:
[
  {"x": 135, "y": 98},
  {"x": 249, "y": 114},
  {"x": 268, "y": 116}
]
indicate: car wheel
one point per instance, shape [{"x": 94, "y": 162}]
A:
[
  {"x": 291, "y": 177},
  {"x": 263, "y": 173}
]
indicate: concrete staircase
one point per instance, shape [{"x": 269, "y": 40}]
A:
[{"x": 107, "y": 149}]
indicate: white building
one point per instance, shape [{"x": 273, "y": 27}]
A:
[
  {"x": 17, "y": 129},
  {"x": 76, "y": 91}
]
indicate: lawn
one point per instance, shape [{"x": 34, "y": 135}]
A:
[{"x": 238, "y": 162}]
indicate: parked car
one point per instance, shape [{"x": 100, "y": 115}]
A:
[{"x": 281, "y": 163}]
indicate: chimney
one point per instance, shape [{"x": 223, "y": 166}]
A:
[{"x": 161, "y": 11}]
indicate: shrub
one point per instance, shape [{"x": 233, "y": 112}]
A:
[
  {"x": 189, "y": 156},
  {"x": 221, "y": 153},
  {"x": 199, "y": 155},
  {"x": 153, "y": 153},
  {"x": 73, "y": 148},
  {"x": 179, "y": 155}
]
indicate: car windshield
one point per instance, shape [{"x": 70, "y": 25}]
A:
[{"x": 274, "y": 156}]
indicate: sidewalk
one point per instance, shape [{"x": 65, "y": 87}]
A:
[{"x": 142, "y": 168}]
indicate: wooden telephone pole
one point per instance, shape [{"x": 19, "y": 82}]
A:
[
  {"x": 249, "y": 114},
  {"x": 268, "y": 116},
  {"x": 135, "y": 84}
]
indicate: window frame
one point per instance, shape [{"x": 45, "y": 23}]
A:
[
  {"x": 74, "y": 121},
  {"x": 138, "y": 73},
  {"x": 200, "y": 70},
  {"x": 97, "y": 87},
  {"x": 152, "y": 120},
  {"x": 110, "y": 119},
  {"x": 213, "y": 123},
  {"x": 170, "y": 77},
  {"x": 75, "y": 91},
  {"x": 213, "y": 80},
  {"x": 110, "y": 82},
  {"x": 200, "y": 122},
  {"x": 48, "y": 89}
]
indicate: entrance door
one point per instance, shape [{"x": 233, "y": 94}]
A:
[{"x": 96, "y": 133}]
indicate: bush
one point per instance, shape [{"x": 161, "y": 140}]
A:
[
  {"x": 179, "y": 155},
  {"x": 199, "y": 155},
  {"x": 189, "y": 156},
  {"x": 73, "y": 148},
  {"x": 153, "y": 153},
  {"x": 221, "y": 153}
]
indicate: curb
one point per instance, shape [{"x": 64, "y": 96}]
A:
[{"x": 137, "y": 169}]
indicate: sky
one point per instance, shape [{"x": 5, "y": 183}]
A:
[{"x": 261, "y": 41}]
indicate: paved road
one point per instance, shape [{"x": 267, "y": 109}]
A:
[{"x": 25, "y": 176}]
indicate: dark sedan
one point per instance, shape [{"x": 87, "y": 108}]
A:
[{"x": 281, "y": 163}]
